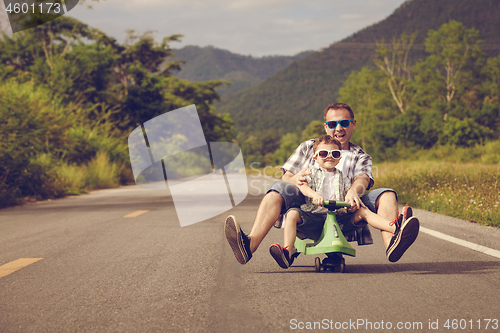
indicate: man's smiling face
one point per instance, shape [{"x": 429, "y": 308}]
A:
[{"x": 340, "y": 133}]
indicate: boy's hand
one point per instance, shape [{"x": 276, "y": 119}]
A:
[{"x": 318, "y": 199}]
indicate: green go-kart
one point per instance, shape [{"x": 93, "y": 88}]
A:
[{"x": 331, "y": 242}]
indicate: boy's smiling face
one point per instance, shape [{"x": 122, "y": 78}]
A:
[{"x": 329, "y": 163}]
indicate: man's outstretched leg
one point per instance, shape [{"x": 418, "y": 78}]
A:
[
  {"x": 384, "y": 202},
  {"x": 281, "y": 194}
]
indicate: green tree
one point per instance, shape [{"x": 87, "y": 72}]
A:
[
  {"x": 451, "y": 69},
  {"x": 489, "y": 113},
  {"x": 366, "y": 92},
  {"x": 288, "y": 143},
  {"x": 314, "y": 130}
]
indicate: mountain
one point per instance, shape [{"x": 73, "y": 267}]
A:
[
  {"x": 297, "y": 94},
  {"x": 210, "y": 63}
]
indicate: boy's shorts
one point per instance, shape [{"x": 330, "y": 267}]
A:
[
  {"x": 312, "y": 224},
  {"x": 293, "y": 198}
]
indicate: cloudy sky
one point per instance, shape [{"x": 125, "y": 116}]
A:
[{"x": 249, "y": 27}]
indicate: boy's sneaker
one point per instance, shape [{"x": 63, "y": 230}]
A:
[
  {"x": 281, "y": 256},
  {"x": 405, "y": 235},
  {"x": 239, "y": 242}
]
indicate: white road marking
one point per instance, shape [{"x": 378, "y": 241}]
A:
[{"x": 458, "y": 241}]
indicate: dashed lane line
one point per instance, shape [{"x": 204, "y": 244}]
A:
[
  {"x": 16, "y": 265},
  {"x": 136, "y": 213}
]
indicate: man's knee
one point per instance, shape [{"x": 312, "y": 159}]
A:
[
  {"x": 387, "y": 198},
  {"x": 273, "y": 197}
]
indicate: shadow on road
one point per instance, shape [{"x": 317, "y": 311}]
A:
[{"x": 452, "y": 267}]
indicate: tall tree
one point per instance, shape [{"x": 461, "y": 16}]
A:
[
  {"x": 393, "y": 61},
  {"x": 453, "y": 64}
]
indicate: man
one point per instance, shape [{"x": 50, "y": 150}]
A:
[{"x": 357, "y": 166}]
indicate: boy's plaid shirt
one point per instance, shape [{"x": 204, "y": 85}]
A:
[
  {"x": 356, "y": 161},
  {"x": 339, "y": 185}
]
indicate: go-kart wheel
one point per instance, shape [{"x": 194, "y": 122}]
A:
[
  {"x": 317, "y": 264},
  {"x": 342, "y": 266}
]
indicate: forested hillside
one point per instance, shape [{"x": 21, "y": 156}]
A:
[
  {"x": 297, "y": 94},
  {"x": 210, "y": 63}
]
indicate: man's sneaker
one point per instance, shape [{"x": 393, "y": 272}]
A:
[
  {"x": 281, "y": 256},
  {"x": 405, "y": 235},
  {"x": 407, "y": 213},
  {"x": 239, "y": 242}
]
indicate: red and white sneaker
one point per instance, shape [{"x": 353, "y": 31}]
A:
[
  {"x": 407, "y": 228},
  {"x": 281, "y": 255}
]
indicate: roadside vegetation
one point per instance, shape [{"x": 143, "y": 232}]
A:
[
  {"x": 69, "y": 97},
  {"x": 469, "y": 191}
]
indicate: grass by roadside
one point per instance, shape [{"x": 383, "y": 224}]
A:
[
  {"x": 468, "y": 191},
  {"x": 60, "y": 179}
]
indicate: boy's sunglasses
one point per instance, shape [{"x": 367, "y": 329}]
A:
[
  {"x": 323, "y": 153},
  {"x": 344, "y": 123}
]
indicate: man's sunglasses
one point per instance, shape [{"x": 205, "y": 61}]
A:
[
  {"x": 344, "y": 123},
  {"x": 323, "y": 153}
]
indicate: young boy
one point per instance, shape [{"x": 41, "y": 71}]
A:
[{"x": 325, "y": 181}]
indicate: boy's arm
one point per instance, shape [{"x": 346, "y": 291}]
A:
[{"x": 309, "y": 192}]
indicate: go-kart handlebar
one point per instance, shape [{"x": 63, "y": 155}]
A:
[{"x": 332, "y": 204}]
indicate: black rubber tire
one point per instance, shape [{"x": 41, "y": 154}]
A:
[
  {"x": 342, "y": 266},
  {"x": 317, "y": 264}
]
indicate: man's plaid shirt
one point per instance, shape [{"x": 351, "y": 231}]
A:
[{"x": 356, "y": 161}]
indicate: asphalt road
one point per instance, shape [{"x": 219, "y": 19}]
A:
[{"x": 103, "y": 272}]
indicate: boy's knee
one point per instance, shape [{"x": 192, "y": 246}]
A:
[{"x": 292, "y": 216}]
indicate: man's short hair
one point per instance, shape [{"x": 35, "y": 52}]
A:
[
  {"x": 326, "y": 139},
  {"x": 338, "y": 106}
]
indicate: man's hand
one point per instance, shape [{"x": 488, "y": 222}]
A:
[
  {"x": 358, "y": 187},
  {"x": 298, "y": 179},
  {"x": 354, "y": 200}
]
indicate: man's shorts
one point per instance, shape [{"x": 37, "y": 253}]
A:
[{"x": 293, "y": 198}]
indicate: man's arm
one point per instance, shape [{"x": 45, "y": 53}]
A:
[
  {"x": 298, "y": 179},
  {"x": 294, "y": 168},
  {"x": 358, "y": 187}
]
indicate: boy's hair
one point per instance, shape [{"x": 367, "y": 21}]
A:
[
  {"x": 326, "y": 139},
  {"x": 338, "y": 106}
]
